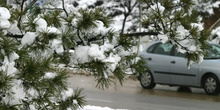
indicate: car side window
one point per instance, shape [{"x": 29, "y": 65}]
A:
[
  {"x": 214, "y": 51},
  {"x": 163, "y": 49},
  {"x": 178, "y": 54},
  {"x": 151, "y": 48}
]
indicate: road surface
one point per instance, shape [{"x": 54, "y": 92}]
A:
[{"x": 132, "y": 96}]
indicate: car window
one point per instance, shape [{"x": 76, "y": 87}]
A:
[
  {"x": 214, "y": 52},
  {"x": 163, "y": 49},
  {"x": 151, "y": 48},
  {"x": 178, "y": 54}
]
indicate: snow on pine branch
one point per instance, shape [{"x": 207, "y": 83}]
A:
[
  {"x": 4, "y": 16},
  {"x": 179, "y": 25}
]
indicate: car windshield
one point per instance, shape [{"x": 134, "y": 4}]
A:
[{"x": 213, "y": 52}]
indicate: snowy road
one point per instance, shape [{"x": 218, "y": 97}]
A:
[{"x": 131, "y": 96}]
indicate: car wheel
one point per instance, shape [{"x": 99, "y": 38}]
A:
[
  {"x": 147, "y": 81},
  {"x": 211, "y": 85}
]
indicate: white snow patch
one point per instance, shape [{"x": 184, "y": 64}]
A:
[
  {"x": 113, "y": 60},
  {"x": 41, "y": 24},
  {"x": 4, "y": 13},
  {"x": 157, "y": 7},
  {"x": 85, "y": 3},
  {"x": 182, "y": 31},
  {"x": 19, "y": 92},
  {"x": 4, "y": 23},
  {"x": 14, "y": 29},
  {"x": 199, "y": 26},
  {"x": 4, "y": 16},
  {"x": 57, "y": 46},
  {"x": 100, "y": 27},
  {"x": 81, "y": 54},
  {"x": 90, "y": 107},
  {"x": 163, "y": 38},
  {"x": 9, "y": 64},
  {"x": 28, "y": 38},
  {"x": 95, "y": 52},
  {"x": 53, "y": 30},
  {"x": 49, "y": 75},
  {"x": 13, "y": 56},
  {"x": 68, "y": 93}
]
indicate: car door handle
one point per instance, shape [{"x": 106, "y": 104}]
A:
[
  {"x": 173, "y": 62},
  {"x": 149, "y": 59}
]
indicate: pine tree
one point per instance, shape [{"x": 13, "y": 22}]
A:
[
  {"x": 206, "y": 7},
  {"x": 40, "y": 38},
  {"x": 37, "y": 41},
  {"x": 178, "y": 23}
]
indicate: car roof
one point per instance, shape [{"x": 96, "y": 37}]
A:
[{"x": 154, "y": 42}]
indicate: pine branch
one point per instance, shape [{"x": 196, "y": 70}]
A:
[
  {"x": 21, "y": 14},
  {"x": 126, "y": 14},
  {"x": 29, "y": 6},
  {"x": 64, "y": 8},
  {"x": 17, "y": 2},
  {"x": 136, "y": 34},
  {"x": 14, "y": 36},
  {"x": 24, "y": 12},
  {"x": 78, "y": 34}
]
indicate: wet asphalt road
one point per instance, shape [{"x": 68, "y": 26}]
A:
[{"x": 133, "y": 97}]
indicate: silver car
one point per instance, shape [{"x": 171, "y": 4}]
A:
[{"x": 169, "y": 67}]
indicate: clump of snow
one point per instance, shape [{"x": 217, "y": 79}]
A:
[
  {"x": 28, "y": 38},
  {"x": 65, "y": 94},
  {"x": 8, "y": 67},
  {"x": 13, "y": 56},
  {"x": 113, "y": 59},
  {"x": 32, "y": 93},
  {"x": 83, "y": 53},
  {"x": 75, "y": 102},
  {"x": 185, "y": 40},
  {"x": 107, "y": 46},
  {"x": 4, "y": 23},
  {"x": 163, "y": 38},
  {"x": 199, "y": 26},
  {"x": 19, "y": 92},
  {"x": 9, "y": 64},
  {"x": 95, "y": 52},
  {"x": 118, "y": 20},
  {"x": 157, "y": 7},
  {"x": 100, "y": 27},
  {"x": 90, "y": 107},
  {"x": 216, "y": 33},
  {"x": 57, "y": 46},
  {"x": 86, "y": 3},
  {"x": 207, "y": 6},
  {"x": 4, "y": 16},
  {"x": 50, "y": 75},
  {"x": 14, "y": 29},
  {"x": 41, "y": 24},
  {"x": 182, "y": 32},
  {"x": 74, "y": 22},
  {"x": 4, "y": 13},
  {"x": 53, "y": 30}
]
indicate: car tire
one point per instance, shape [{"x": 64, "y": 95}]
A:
[
  {"x": 211, "y": 85},
  {"x": 147, "y": 81}
]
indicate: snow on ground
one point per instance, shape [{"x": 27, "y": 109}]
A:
[{"x": 90, "y": 107}]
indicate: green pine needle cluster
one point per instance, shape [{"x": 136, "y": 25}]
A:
[
  {"x": 167, "y": 21},
  {"x": 7, "y": 45},
  {"x": 38, "y": 59}
]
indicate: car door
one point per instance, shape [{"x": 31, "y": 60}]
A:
[
  {"x": 158, "y": 61},
  {"x": 180, "y": 74}
]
